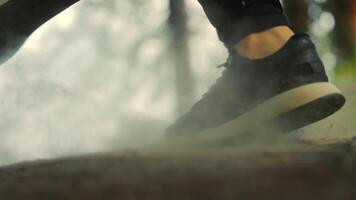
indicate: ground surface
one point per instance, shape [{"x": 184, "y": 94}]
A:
[
  {"x": 303, "y": 172},
  {"x": 274, "y": 170}
]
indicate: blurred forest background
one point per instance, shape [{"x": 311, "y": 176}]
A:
[{"x": 110, "y": 75}]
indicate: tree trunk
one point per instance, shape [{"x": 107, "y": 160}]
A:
[
  {"x": 297, "y": 12},
  {"x": 344, "y": 12},
  {"x": 180, "y": 54},
  {"x": 353, "y": 22}
]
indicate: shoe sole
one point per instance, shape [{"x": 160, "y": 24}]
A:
[{"x": 287, "y": 111}]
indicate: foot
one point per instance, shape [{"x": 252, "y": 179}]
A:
[{"x": 289, "y": 88}]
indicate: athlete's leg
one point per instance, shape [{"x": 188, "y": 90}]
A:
[
  {"x": 236, "y": 19},
  {"x": 19, "y": 18},
  {"x": 272, "y": 74}
]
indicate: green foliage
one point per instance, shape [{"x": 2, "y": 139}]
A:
[{"x": 346, "y": 70}]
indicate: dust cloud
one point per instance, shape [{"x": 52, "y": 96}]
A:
[{"x": 94, "y": 80}]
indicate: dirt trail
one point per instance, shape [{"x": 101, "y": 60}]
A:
[{"x": 303, "y": 173}]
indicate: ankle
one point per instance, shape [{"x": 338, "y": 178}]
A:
[{"x": 263, "y": 44}]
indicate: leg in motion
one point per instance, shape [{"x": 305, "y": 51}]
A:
[
  {"x": 20, "y": 18},
  {"x": 272, "y": 74}
]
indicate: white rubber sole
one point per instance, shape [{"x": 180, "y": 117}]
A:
[{"x": 299, "y": 107}]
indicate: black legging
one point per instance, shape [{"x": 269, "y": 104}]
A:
[
  {"x": 27, "y": 15},
  {"x": 233, "y": 19}
]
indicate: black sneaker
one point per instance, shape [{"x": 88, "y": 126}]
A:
[{"x": 289, "y": 89}]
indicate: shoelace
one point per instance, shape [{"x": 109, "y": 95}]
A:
[{"x": 226, "y": 64}]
